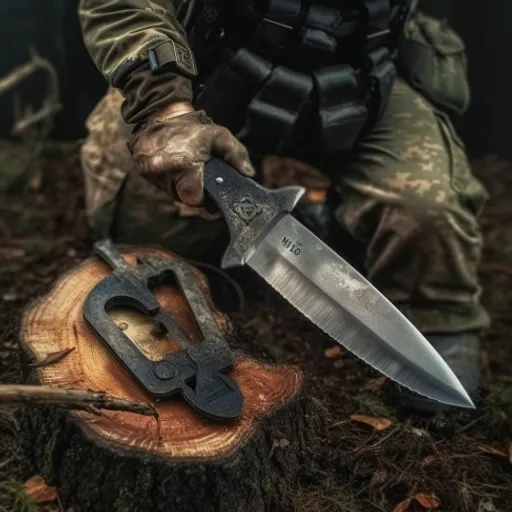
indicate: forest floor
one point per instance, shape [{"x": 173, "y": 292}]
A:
[{"x": 451, "y": 462}]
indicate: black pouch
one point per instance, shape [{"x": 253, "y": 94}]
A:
[{"x": 432, "y": 58}]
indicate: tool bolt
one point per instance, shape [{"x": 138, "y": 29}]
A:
[
  {"x": 219, "y": 180},
  {"x": 165, "y": 371},
  {"x": 123, "y": 326}
]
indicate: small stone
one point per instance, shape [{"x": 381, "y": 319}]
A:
[
  {"x": 10, "y": 297},
  {"x": 283, "y": 443}
]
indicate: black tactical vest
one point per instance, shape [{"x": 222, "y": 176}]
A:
[{"x": 305, "y": 78}]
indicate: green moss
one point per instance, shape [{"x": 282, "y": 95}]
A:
[
  {"x": 14, "y": 162},
  {"x": 500, "y": 400},
  {"x": 14, "y": 499},
  {"x": 48, "y": 456},
  {"x": 372, "y": 404},
  {"x": 124, "y": 501},
  {"x": 19, "y": 158},
  {"x": 131, "y": 494},
  {"x": 326, "y": 499}
]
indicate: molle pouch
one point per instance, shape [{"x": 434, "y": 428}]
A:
[{"x": 432, "y": 59}]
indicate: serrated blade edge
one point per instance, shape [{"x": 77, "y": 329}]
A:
[{"x": 366, "y": 323}]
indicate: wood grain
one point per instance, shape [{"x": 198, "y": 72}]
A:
[{"x": 56, "y": 323}]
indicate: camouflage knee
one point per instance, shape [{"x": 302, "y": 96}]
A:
[
  {"x": 105, "y": 159},
  {"x": 410, "y": 198}
]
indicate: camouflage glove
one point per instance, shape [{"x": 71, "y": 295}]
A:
[{"x": 172, "y": 150}]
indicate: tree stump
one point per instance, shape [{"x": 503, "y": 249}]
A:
[{"x": 122, "y": 461}]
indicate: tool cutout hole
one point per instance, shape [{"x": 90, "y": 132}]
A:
[
  {"x": 142, "y": 330},
  {"x": 179, "y": 307}
]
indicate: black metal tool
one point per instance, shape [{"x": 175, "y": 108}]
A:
[{"x": 196, "y": 371}]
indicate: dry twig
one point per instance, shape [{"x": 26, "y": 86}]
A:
[
  {"x": 25, "y": 118},
  {"x": 90, "y": 401}
]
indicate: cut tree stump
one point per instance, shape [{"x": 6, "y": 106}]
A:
[{"x": 122, "y": 461}]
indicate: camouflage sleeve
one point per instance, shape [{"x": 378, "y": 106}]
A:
[{"x": 118, "y": 34}]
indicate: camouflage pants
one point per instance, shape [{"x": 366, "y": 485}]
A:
[{"x": 407, "y": 196}]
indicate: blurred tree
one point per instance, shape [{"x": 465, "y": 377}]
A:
[
  {"x": 485, "y": 27},
  {"x": 52, "y": 28}
]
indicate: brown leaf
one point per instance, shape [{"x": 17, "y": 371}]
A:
[
  {"x": 52, "y": 358},
  {"x": 403, "y": 506},
  {"x": 428, "y": 501},
  {"x": 333, "y": 352},
  {"x": 375, "y": 384},
  {"x": 37, "y": 490},
  {"x": 315, "y": 195},
  {"x": 491, "y": 450},
  {"x": 377, "y": 423}
]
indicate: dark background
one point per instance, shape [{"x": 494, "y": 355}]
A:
[{"x": 52, "y": 27}]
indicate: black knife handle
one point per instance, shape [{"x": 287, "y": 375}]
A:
[{"x": 247, "y": 207}]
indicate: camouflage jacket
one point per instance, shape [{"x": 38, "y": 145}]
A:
[{"x": 117, "y": 34}]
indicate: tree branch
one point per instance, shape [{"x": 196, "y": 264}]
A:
[
  {"x": 90, "y": 401},
  {"x": 51, "y": 104}
]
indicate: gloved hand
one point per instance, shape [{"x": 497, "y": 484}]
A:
[{"x": 172, "y": 148}]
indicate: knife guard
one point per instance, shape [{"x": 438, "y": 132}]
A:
[{"x": 248, "y": 208}]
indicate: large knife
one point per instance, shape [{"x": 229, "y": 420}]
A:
[{"x": 323, "y": 286}]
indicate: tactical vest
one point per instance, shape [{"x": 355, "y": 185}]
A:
[{"x": 297, "y": 77}]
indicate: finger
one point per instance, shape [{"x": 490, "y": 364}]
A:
[
  {"x": 233, "y": 152},
  {"x": 197, "y": 211},
  {"x": 190, "y": 186},
  {"x": 164, "y": 163},
  {"x": 163, "y": 181}
]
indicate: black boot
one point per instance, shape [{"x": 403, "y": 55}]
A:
[{"x": 461, "y": 353}]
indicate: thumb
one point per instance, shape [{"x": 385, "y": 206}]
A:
[{"x": 233, "y": 152}]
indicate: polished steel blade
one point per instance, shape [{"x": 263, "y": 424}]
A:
[{"x": 334, "y": 296}]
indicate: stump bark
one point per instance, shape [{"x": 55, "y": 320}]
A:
[{"x": 122, "y": 461}]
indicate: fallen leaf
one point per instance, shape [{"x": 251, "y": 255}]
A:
[
  {"x": 376, "y": 423},
  {"x": 428, "y": 501},
  {"x": 403, "y": 506},
  {"x": 316, "y": 195},
  {"x": 375, "y": 384},
  {"x": 491, "y": 450},
  {"x": 37, "y": 490},
  {"x": 333, "y": 352},
  {"x": 52, "y": 358}
]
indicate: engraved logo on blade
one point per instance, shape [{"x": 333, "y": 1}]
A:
[
  {"x": 294, "y": 248},
  {"x": 247, "y": 209}
]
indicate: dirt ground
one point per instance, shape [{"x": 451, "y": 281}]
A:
[{"x": 459, "y": 461}]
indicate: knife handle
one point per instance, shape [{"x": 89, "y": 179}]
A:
[{"x": 248, "y": 208}]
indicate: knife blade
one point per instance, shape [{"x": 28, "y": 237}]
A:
[{"x": 324, "y": 287}]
